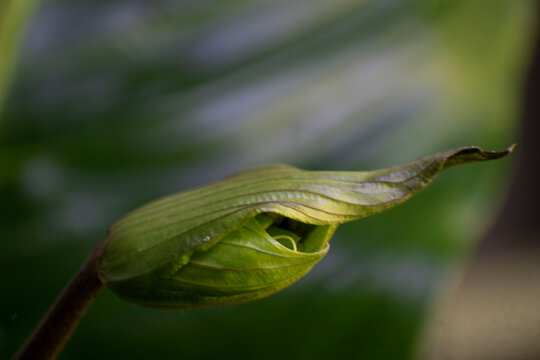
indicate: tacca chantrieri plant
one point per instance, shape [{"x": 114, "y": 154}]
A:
[{"x": 240, "y": 239}]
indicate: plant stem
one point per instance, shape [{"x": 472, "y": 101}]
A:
[{"x": 56, "y": 328}]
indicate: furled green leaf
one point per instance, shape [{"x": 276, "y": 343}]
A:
[{"x": 254, "y": 233}]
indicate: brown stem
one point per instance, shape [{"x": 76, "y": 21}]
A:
[{"x": 56, "y": 328}]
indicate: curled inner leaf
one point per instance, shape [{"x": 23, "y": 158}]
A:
[{"x": 245, "y": 265}]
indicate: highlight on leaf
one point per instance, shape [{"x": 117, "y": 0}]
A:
[{"x": 252, "y": 234}]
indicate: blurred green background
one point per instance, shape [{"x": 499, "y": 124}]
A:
[{"x": 109, "y": 104}]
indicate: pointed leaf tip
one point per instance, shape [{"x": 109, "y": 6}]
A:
[{"x": 474, "y": 153}]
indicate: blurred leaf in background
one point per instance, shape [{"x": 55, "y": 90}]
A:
[
  {"x": 115, "y": 103},
  {"x": 13, "y": 19}
]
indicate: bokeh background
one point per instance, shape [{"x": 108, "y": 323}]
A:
[{"x": 105, "y": 105}]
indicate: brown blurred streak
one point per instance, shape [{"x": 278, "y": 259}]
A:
[
  {"x": 518, "y": 225},
  {"x": 494, "y": 313}
]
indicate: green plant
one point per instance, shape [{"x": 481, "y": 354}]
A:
[{"x": 240, "y": 239}]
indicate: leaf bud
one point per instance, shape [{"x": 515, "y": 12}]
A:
[{"x": 252, "y": 234}]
